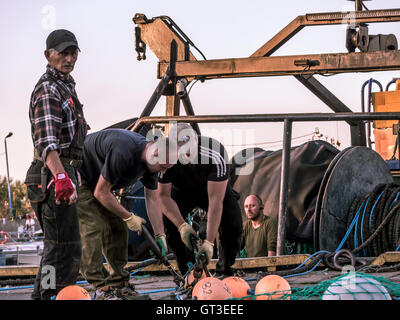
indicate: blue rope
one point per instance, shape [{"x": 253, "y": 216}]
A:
[
  {"x": 31, "y": 286},
  {"x": 338, "y": 248},
  {"x": 136, "y": 271},
  {"x": 16, "y": 288},
  {"x": 394, "y": 201},
  {"x": 355, "y": 222},
  {"x": 355, "y": 229},
  {"x": 349, "y": 229},
  {"x": 298, "y": 274},
  {"x": 373, "y": 208},
  {"x": 158, "y": 290},
  {"x": 314, "y": 254},
  {"x": 362, "y": 225}
]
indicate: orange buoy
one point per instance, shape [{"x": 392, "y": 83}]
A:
[
  {"x": 211, "y": 288},
  {"x": 239, "y": 287},
  {"x": 190, "y": 278},
  {"x": 6, "y": 237},
  {"x": 73, "y": 292},
  {"x": 275, "y": 286}
]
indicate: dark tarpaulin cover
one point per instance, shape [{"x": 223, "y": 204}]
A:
[{"x": 308, "y": 163}]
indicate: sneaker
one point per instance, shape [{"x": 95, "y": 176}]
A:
[{"x": 106, "y": 293}]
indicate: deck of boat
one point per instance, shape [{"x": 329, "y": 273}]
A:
[{"x": 155, "y": 281}]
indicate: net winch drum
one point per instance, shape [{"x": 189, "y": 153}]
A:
[
  {"x": 321, "y": 191},
  {"x": 355, "y": 172}
]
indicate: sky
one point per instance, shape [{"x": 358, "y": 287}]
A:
[{"x": 114, "y": 86}]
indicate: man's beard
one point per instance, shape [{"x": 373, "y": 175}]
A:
[{"x": 256, "y": 216}]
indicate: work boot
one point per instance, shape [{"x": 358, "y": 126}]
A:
[
  {"x": 222, "y": 274},
  {"x": 128, "y": 292},
  {"x": 106, "y": 293}
]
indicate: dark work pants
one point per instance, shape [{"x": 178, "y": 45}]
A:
[
  {"x": 59, "y": 266},
  {"x": 230, "y": 230}
]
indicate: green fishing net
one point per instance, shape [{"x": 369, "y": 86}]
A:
[{"x": 348, "y": 286}]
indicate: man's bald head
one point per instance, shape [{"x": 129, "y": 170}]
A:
[{"x": 253, "y": 207}]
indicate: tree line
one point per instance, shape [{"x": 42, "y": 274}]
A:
[{"x": 19, "y": 200}]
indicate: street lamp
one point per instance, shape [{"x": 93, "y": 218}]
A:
[{"x": 8, "y": 174}]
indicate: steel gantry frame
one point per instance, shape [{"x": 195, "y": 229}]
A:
[{"x": 177, "y": 67}]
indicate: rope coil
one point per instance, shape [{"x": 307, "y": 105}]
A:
[{"x": 374, "y": 227}]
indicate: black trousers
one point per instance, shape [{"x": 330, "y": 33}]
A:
[
  {"x": 59, "y": 266},
  {"x": 230, "y": 230}
]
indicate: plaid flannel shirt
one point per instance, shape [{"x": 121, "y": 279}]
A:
[{"x": 53, "y": 122}]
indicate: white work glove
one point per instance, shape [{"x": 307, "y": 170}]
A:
[
  {"x": 207, "y": 248},
  {"x": 134, "y": 223},
  {"x": 187, "y": 232}
]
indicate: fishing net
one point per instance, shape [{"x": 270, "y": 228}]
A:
[{"x": 349, "y": 286}]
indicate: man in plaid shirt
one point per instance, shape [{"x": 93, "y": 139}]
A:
[
  {"x": 58, "y": 130},
  {"x": 52, "y": 118}
]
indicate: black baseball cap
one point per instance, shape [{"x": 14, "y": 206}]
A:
[{"x": 60, "y": 40}]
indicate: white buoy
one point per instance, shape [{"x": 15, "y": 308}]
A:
[{"x": 356, "y": 286}]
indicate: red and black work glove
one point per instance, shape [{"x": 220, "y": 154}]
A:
[{"x": 65, "y": 190}]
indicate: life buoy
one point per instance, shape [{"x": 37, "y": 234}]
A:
[{"x": 6, "y": 237}]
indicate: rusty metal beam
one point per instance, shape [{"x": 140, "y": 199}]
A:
[
  {"x": 358, "y": 136},
  {"x": 284, "y": 190},
  {"x": 287, "y": 65},
  {"x": 357, "y": 129},
  {"x": 158, "y": 36},
  {"x": 172, "y": 101},
  {"x": 390, "y": 257},
  {"x": 281, "y": 37},
  {"x": 240, "y": 263},
  {"x": 189, "y": 111},
  {"x": 326, "y": 18},
  {"x": 269, "y": 263},
  {"x": 172, "y": 108},
  {"x": 238, "y": 118},
  {"x": 148, "y": 109},
  {"x": 353, "y": 17},
  {"x": 323, "y": 93}
]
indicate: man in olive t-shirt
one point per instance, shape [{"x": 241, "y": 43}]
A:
[{"x": 260, "y": 231}]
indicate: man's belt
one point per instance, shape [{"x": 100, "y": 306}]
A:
[
  {"x": 71, "y": 162},
  {"x": 65, "y": 161}
]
